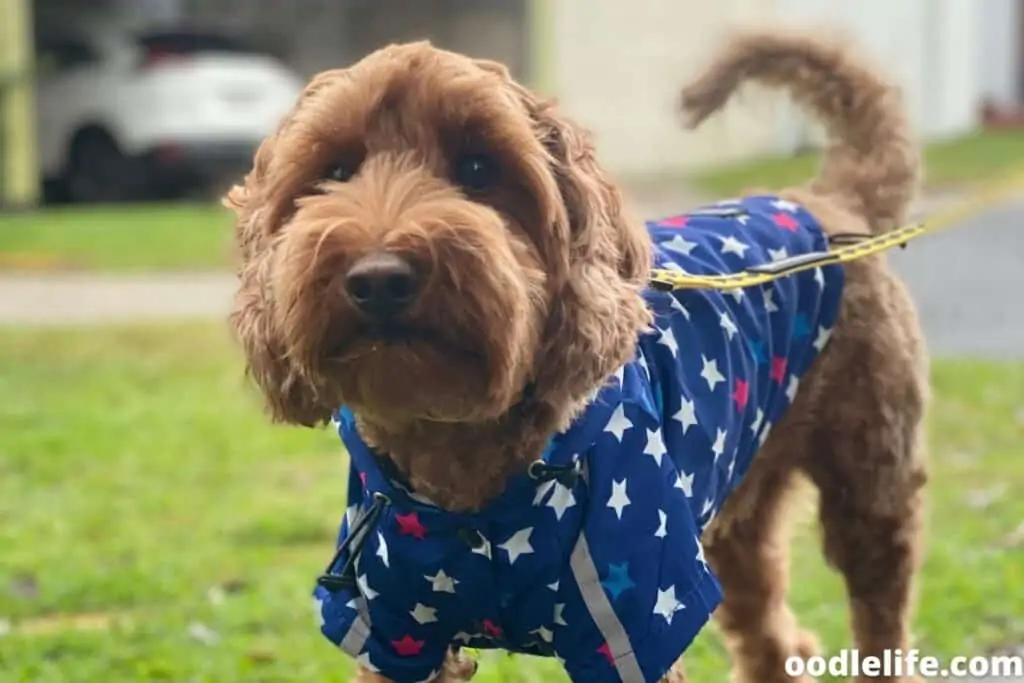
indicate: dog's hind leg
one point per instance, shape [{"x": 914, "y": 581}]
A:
[
  {"x": 748, "y": 548},
  {"x": 868, "y": 464},
  {"x": 871, "y": 517}
]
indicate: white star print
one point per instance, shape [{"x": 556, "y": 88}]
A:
[
  {"x": 710, "y": 373},
  {"x": 618, "y": 424},
  {"x": 318, "y": 605},
  {"x": 668, "y": 340},
  {"x": 559, "y": 619},
  {"x": 687, "y": 414},
  {"x": 484, "y": 549},
  {"x": 778, "y": 254},
  {"x": 784, "y": 205},
  {"x": 542, "y": 490},
  {"x": 736, "y": 294},
  {"x": 423, "y": 614},
  {"x": 382, "y": 550},
  {"x": 819, "y": 277},
  {"x": 363, "y": 660},
  {"x": 764, "y": 434},
  {"x": 667, "y": 605},
  {"x": 655, "y": 445},
  {"x": 769, "y": 301},
  {"x": 685, "y": 483},
  {"x": 553, "y": 586},
  {"x": 518, "y": 545},
  {"x": 791, "y": 388},
  {"x": 364, "y": 588},
  {"x": 728, "y": 325},
  {"x": 718, "y": 447},
  {"x": 678, "y": 306},
  {"x": 709, "y": 506},
  {"x": 742, "y": 219},
  {"x": 758, "y": 419},
  {"x": 546, "y": 634},
  {"x": 462, "y": 636},
  {"x": 731, "y": 245},
  {"x": 700, "y": 552},
  {"x": 618, "y": 500},
  {"x": 662, "y": 531},
  {"x": 679, "y": 245},
  {"x": 824, "y": 334},
  {"x": 561, "y": 500},
  {"x": 441, "y": 582}
]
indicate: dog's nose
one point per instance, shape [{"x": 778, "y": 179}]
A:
[{"x": 381, "y": 284}]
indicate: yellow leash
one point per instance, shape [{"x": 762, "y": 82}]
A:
[{"x": 674, "y": 279}]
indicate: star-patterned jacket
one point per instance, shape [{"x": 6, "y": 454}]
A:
[{"x": 594, "y": 556}]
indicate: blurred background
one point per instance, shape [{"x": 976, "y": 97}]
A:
[{"x": 155, "y": 527}]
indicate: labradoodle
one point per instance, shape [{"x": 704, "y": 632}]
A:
[{"x": 548, "y": 455}]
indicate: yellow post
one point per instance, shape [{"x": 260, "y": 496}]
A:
[
  {"x": 19, "y": 175},
  {"x": 541, "y": 41}
]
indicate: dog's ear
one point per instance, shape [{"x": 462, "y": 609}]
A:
[
  {"x": 289, "y": 396},
  {"x": 597, "y": 312}
]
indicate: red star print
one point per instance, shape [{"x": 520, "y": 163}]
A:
[
  {"x": 407, "y": 647},
  {"x": 607, "y": 652},
  {"x": 409, "y": 525},
  {"x": 785, "y": 221},
  {"x": 741, "y": 394},
  {"x": 778, "y": 368},
  {"x": 362, "y": 478},
  {"x": 492, "y": 629},
  {"x": 674, "y": 222}
]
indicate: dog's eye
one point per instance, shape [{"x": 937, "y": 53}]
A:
[
  {"x": 475, "y": 172},
  {"x": 341, "y": 172}
]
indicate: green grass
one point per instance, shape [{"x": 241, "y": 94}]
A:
[
  {"x": 142, "y": 237},
  {"x": 970, "y": 159},
  {"x": 137, "y": 474}
]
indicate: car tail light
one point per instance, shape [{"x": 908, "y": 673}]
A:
[{"x": 152, "y": 58}]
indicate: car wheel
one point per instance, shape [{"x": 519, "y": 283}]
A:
[{"x": 97, "y": 171}]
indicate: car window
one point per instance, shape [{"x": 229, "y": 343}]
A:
[
  {"x": 193, "y": 42},
  {"x": 59, "y": 56}
]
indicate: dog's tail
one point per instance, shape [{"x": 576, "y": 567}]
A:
[{"x": 870, "y": 159}]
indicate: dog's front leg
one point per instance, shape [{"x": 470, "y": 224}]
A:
[{"x": 457, "y": 668}]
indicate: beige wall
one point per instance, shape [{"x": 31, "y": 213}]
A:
[{"x": 617, "y": 66}]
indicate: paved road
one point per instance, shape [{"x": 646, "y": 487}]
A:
[{"x": 968, "y": 282}]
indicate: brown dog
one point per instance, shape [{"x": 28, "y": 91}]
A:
[{"x": 433, "y": 186}]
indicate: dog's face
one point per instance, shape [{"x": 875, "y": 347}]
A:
[{"x": 422, "y": 239}]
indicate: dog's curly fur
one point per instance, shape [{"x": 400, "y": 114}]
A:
[{"x": 531, "y": 297}]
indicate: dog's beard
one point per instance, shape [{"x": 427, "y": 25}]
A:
[{"x": 463, "y": 353}]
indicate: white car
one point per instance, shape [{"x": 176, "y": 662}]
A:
[{"x": 128, "y": 114}]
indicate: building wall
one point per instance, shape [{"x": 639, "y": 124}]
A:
[
  {"x": 618, "y": 66},
  {"x": 999, "y": 65}
]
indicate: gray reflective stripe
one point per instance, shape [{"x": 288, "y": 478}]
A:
[
  {"x": 355, "y": 639},
  {"x": 603, "y": 614}
]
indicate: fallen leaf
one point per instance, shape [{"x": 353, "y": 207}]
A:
[{"x": 204, "y": 634}]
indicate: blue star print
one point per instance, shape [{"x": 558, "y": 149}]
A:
[{"x": 594, "y": 556}]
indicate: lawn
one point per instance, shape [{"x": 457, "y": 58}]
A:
[
  {"x": 142, "y": 237},
  {"x": 971, "y": 159},
  {"x": 154, "y": 528}
]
